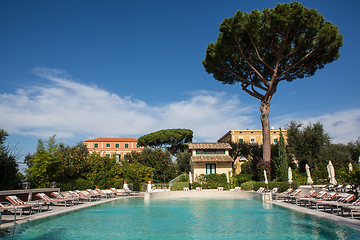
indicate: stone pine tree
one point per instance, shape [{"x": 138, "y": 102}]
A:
[
  {"x": 173, "y": 139},
  {"x": 261, "y": 49},
  {"x": 283, "y": 159}
]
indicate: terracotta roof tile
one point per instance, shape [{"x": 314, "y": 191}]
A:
[
  {"x": 112, "y": 140},
  {"x": 211, "y": 158},
  {"x": 209, "y": 146}
]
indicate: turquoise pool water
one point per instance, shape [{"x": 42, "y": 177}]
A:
[{"x": 183, "y": 219}]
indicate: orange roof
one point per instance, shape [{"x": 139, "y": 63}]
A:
[
  {"x": 112, "y": 140},
  {"x": 209, "y": 146},
  {"x": 211, "y": 158}
]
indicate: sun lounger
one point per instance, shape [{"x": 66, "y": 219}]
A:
[
  {"x": 324, "y": 201},
  {"x": 318, "y": 196},
  {"x": 310, "y": 194},
  {"x": 283, "y": 194},
  {"x": 102, "y": 193},
  {"x": 237, "y": 189},
  {"x": 93, "y": 193},
  {"x": 116, "y": 192},
  {"x": 351, "y": 208},
  {"x": 46, "y": 199},
  {"x": 274, "y": 190},
  {"x": 59, "y": 196},
  {"x": 220, "y": 188},
  {"x": 88, "y": 196},
  {"x": 185, "y": 189},
  {"x": 341, "y": 202},
  {"x": 11, "y": 207},
  {"x": 198, "y": 188},
  {"x": 292, "y": 196},
  {"x": 76, "y": 195},
  {"x": 260, "y": 190},
  {"x": 14, "y": 200},
  {"x": 127, "y": 190}
]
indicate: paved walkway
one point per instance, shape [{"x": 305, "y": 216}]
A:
[
  {"x": 334, "y": 217},
  {"x": 7, "y": 218}
]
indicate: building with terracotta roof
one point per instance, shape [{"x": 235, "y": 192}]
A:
[
  {"x": 252, "y": 137},
  {"x": 208, "y": 158},
  {"x": 113, "y": 146}
]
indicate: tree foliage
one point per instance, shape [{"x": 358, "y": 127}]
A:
[
  {"x": 261, "y": 49},
  {"x": 45, "y": 164},
  {"x": 283, "y": 160},
  {"x": 239, "y": 149},
  {"x": 308, "y": 144},
  {"x": 136, "y": 173},
  {"x": 9, "y": 170},
  {"x": 172, "y": 139},
  {"x": 183, "y": 161},
  {"x": 156, "y": 159},
  {"x": 71, "y": 167}
]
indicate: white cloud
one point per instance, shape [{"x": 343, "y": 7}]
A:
[
  {"x": 75, "y": 111},
  {"x": 72, "y": 110}
]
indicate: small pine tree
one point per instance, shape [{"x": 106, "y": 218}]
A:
[{"x": 283, "y": 160}]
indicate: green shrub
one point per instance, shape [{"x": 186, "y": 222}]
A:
[
  {"x": 248, "y": 186},
  {"x": 212, "y": 181},
  {"x": 241, "y": 178},
  {"x": 184, "y": 178},
  {"x": 195, "y": 185},
  {"x": 78, "y": 184},
  {"x": 258, "y": 185},
  {"x": 178, "y": 186}
]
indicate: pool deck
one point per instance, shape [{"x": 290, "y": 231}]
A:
[
  {"x": 8, "y": 218},
  {"x": 334, "y": 217}
]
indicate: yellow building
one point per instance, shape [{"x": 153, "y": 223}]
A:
[
  {"x": 251, "y": 136},
  {"x": 208, "y": 158}
]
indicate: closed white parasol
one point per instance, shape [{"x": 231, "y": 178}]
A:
[
  {"x": 290, "y": 175},
  {"x": 309, "y": 180},
  {"x": 331, "y": 172}
]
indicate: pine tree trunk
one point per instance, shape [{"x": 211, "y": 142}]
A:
[{"x": 264, "y": 109}]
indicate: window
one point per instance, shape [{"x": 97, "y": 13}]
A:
[
  {"x": 96, "y": 145},
  {"x": 275, "y": 140},
  {"x": 137, "y": 146},
  {"x": 126, "y": 145},
  {"x": 108, "y": 145},
  {"x": 210, "y": 151},
  {"x": 118, "y": 157},
  {"x": 107, "y": 155},
  {"x": 241, "y": 140},
  {"x": 200, "y": 151},
  {"x": 210, "y": 168},
  {"x": 117, "y": 145},
  {"x": 252, "y": 140}
]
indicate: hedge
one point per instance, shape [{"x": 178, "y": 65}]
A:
[{"x": 178, "y": 186}]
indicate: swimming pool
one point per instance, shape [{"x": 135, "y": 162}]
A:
[{"x": 183, "y": 219}]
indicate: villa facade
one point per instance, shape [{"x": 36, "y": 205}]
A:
[
  {"x": 252, "y": 137},
  {"x": 208, "y": 158},
  {"x": 113, "y": 146}
]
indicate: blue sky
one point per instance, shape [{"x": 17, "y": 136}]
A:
[{"x": 87, "y": 69}]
